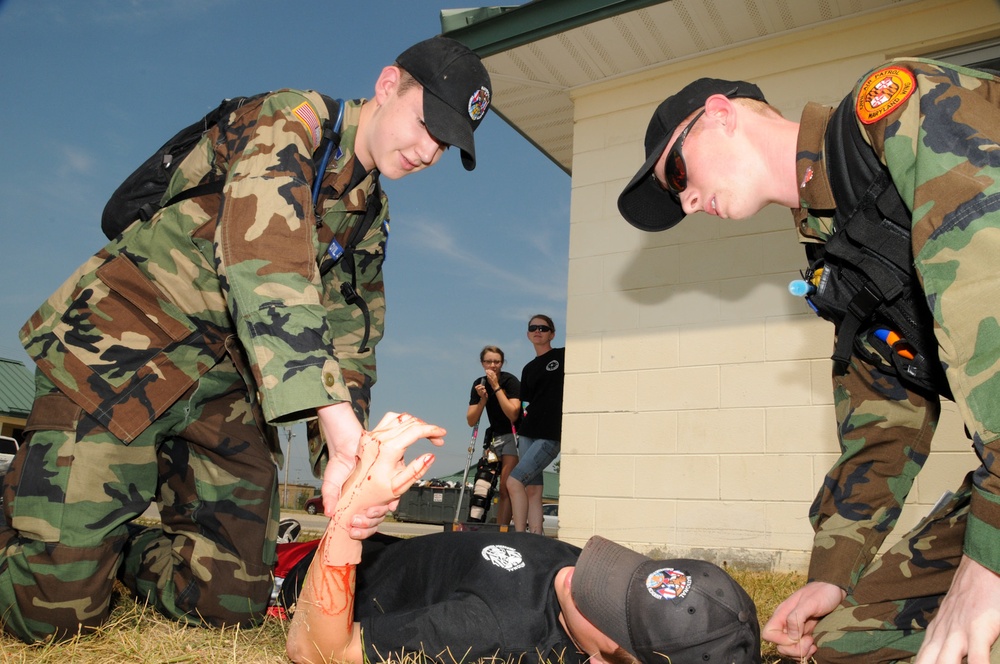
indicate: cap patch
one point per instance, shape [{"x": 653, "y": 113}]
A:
[
  {"x": 668, "y": 583},
  {"x": 882, "y": 92},
  {"x": 478, "y": 103},
  {"x": 307, "y": 116}
]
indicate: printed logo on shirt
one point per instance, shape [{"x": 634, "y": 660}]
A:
[
  {"x": 552, "y": 366},
  {"x": 668, "y": 583},
  {"x": 503, "y": 557},
  {"x": 883, "y": 92}
]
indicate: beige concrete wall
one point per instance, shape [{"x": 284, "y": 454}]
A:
[{"x": 698, "y": 417}]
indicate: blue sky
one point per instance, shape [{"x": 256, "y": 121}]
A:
[{"x": 90, "y": 89}]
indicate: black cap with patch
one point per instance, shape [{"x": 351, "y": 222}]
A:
[
  {"x": 645, "y": 204},
  {"x": 680, "y": 611},
  {"x": 457, "y": 91}
]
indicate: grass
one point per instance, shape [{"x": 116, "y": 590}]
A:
[
  {"x": 768, "y": 589},
  {"x": 138, "y": 634}
]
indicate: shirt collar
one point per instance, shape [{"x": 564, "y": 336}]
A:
[
  {"x": 351, "y": 183},
  {"x": 814, "y": 216}
]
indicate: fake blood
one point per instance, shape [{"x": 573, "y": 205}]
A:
[{"x": 333, "y": 589}]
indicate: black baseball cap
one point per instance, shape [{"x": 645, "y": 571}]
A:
[
  {"x": 645, "y": 204},
  {"x": 680, "y": 611},
  {"x": 457, "y": 91}
]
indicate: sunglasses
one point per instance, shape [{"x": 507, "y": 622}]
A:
[
  {"x": 674, "y": 168},
  {"x": 539, "y": 328}
]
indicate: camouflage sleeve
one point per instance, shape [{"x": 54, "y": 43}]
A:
[
  {"x": 885, "y": 434},
  {"x": 265, "y": 248},
  {"x": 354, "y": 338},
  {"x": 942, "y": 147}
]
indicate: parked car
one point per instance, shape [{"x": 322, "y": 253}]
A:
[
  {"x": 314, "y": 505},
  {"x": 550, "y": 517},
  {"x": 8, "y": 448}
]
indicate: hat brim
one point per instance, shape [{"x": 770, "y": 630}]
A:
[
  {"x": 645, "y": 204},
  {"x": 601, "y": 583},
  {"x": 449, "y": 126}
]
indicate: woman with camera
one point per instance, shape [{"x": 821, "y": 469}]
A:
[{"x": 498, "y": 393}]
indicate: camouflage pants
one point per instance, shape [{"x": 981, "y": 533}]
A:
[
  {"x": 74, "y": 488},
  {"x": 884, "y": 618}
]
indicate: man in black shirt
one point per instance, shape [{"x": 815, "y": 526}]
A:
[{"x": 467, "y": 596}]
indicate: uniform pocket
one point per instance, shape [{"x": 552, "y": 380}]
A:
[
  {"x": 118, "y": 322},
  {"x": 125, "y": 352}
]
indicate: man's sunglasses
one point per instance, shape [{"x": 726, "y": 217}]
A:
[
  {"x": 674, "y": 168},
  {"x": 539, "y": 328}
]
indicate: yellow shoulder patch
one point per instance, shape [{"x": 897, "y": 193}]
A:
[
  {"x": 882, "y": 92},
  {"x": 307, "y": 116}
]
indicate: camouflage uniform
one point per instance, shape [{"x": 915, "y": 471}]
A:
[
  {"x": 164, "y": 364},
  {"x": 940, "y": 145}
]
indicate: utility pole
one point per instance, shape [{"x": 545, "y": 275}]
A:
[{"x": 288, "y": 462}]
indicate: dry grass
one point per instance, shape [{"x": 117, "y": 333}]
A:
[
  {"x": 137, "y": 634},
  {"x": 768, "y": 589}
]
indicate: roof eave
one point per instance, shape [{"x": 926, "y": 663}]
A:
[{"x": 536, "y": 20}]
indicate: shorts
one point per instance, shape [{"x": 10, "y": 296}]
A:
[
  {"x": 505, "y": 445},
  {"x": 536, "y": 455}
]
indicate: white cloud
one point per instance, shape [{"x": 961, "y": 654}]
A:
[
  {"x": 431, "y": 237},
  {"x": 74, "y": 161},
  {"x": 116, "y": 11}
]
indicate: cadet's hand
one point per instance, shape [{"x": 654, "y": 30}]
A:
[
  {"x": 381, "y": 475},
  {"x": 791, "y": 626},
  {"x": 341, "y": 432},
  {"x": 968, "y": 621}
]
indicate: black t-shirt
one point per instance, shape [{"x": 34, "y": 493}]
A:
[
  {"x": 542, "y": 392},
  {"x": 498, "y": 419},
  {"x": 460, "y": 596}
]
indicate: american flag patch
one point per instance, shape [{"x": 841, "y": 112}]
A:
[{"x": 307, "y": 116}]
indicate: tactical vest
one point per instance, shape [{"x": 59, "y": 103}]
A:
[{"x": 863, "y": 277}]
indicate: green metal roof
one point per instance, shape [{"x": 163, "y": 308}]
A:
[
  {"x": 490, "y": 30},
  {"x": 17, "y": 388}
]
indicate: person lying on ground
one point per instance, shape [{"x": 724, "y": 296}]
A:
[{"x": 463, "y": 596}]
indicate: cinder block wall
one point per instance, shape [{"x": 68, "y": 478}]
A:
[{"x": 698, "y": 414}]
